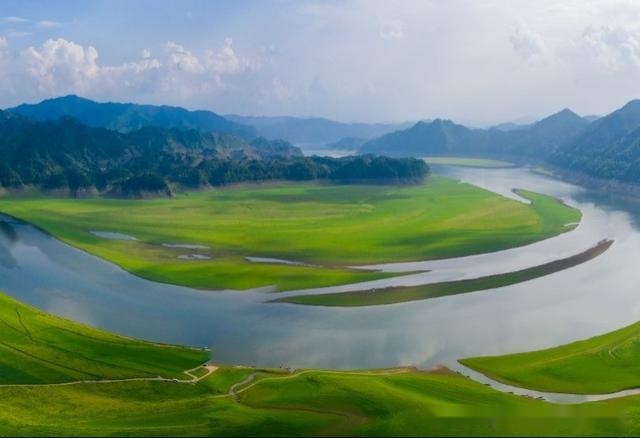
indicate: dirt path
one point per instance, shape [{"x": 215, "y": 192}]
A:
[{"x": 192, "y": 379}]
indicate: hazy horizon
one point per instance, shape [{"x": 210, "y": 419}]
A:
[{"x": 477, "y": 63}]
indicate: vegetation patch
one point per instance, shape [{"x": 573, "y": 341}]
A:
[
  {"x": 327, "y": 226},
  {"x": 468, "y": 162},
  {"x": 38, "y": 352},
  {"x": 603, "y": 364},
  {"x": 36, "y": 347},
  {"x": 403, "y": 294}
]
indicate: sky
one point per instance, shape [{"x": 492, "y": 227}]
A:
[{"x": 477, "y": 61}]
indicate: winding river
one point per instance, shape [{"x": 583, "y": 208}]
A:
[{"x": 593, "y": 298}]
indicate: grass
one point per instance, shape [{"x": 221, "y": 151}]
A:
[
  {"x": 403, "y": 294},
  {"x": 602, "y": 364},
  {"x": 327, "y": 226},
  {"x": 36, "y": 347},
  {"x": 396, "y": 402},
  {"x": 468, "y": 162},
  {"x": 400, "y": 402}
]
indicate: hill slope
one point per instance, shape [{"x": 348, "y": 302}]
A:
[
  {"x": 127, "y": 117},
  {"x": 442, "y": 137},
  {"x": 314, "y": 130}
]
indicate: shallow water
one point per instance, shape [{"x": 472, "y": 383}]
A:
[
  {"x": 590, "y": 299},
  {"x": 184, "y": 246},
  {"x": 113, "y": 236}
]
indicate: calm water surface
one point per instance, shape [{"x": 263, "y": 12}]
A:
[{"x": 590, "y": 299}]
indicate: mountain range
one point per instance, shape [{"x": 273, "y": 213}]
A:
[
  {"x": 127, "y": 117},
  {"x": 601, "y": 147},
  {"x": 442, "y": 137},
  {"x": 314, "y": 131},
  {"x": 129, "y": 150},
  {"x": 67, "y": 154},
  {"x": 71, "y": 140}
]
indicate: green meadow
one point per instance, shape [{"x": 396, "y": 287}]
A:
[
  {"x": 468, "y": 162},
  {"x": 602, "y": 364},
  {"x": 392, "y": 295},
  {"x": 61, "y": 378},
  {"x": 36, "y": 347},
  {"x": 328, "y": 227}
]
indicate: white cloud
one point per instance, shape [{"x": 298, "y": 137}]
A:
[
  {"x": 614, "y": 47},
  {"x": 13, "y": 20},
  {"x": 525, "y": 41},
  {"x": 48, "y": 24},
  {"x": 183, "y": 59},
  {"x": 279, "y": 90},
  {"x": 60, "y": 66},
  {"x": 17, "y": 33},
  {"x": 227, "y": 61},
  {"x": 392, "y": 30}
]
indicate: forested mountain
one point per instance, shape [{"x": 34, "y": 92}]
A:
[
  {"x": 442, "y": 137},
  {"x": 317, "y": 131},
  {"x": 66, "y": 153},
  {"x": 545, "y": 137},
  {"x": 68, "y": 157},
  {"x": 439, "y": 137},
  {"x": 609, "y": 148},
  {"x": 127, "y": 117}
]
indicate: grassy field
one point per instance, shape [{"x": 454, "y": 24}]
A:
[
  {"x": 602, "y": 364},
  {"x": 39, "y": 351},
  {"x": 468, "y": 162},
  {"x": 36, "y": 347},
  {"x": 397, "y": 402},
  {"x": 329, "y": 227},
  {"x": 403, "y": 294}
]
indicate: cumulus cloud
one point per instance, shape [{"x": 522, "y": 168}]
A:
[
  {"x": 525, "y": 41},
  {"x": 227, "y": 61},
  {"x": 183, "y": 59},
  {"x": 614, "y": 47},
  {"x": 60, "y": 66}
]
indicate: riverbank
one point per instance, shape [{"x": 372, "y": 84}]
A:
[{"x": 325, "y": 229}]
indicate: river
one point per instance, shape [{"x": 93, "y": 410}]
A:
[{"x": 593, "y": 298}]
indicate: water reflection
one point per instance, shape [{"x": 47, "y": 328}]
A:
[{"x": 595, "y": 297}]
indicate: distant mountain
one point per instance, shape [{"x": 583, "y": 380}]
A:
[
  {"x": 439, "y": 137},
  {"x": 442, "y": 137},
  {"x": 127, "y": 117},
  {"x": 316, "y": 131},
  {"x": 546, "y": 136},
  {"x": 591, "y": 118},
  {"x": 608, "y": 148},
  {"x": 509, "y": 126},
  {"x": 67, "y": 154},
  {"x": 347, "y": 143}
]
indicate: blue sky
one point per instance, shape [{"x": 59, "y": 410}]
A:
[{"x": 479, "y": 61}]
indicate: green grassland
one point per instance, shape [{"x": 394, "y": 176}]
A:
[
  {"x": 329, "y": 227},
  {"x": 400, "y": 402},
  {"x": 602, "y": 364},
  {"x": 36, "y": 347},
  {"x": 403, "y": 294},
  {"x": 241, "y": 401},
  {"x": 468, "y": 162}
]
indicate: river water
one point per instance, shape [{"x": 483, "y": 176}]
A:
[{"x": 590, "y": 299}]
